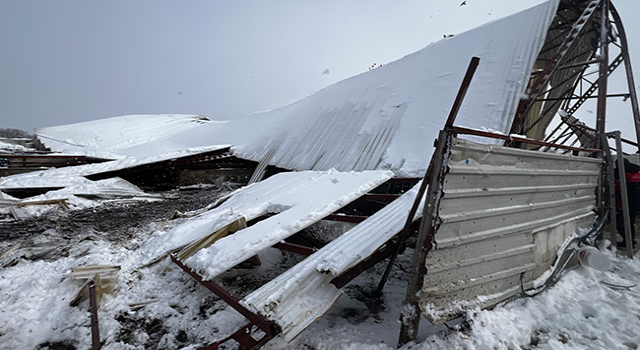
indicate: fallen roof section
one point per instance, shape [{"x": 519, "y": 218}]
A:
[
  {"x": 297, "y": 199},
  {"x": 385, "y": 118},
  {"x": 304, "y": 293}
]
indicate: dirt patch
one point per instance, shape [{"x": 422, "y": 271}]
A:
[{"x": 118, "y": 223}]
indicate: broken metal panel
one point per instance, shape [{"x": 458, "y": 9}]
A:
[
  {"x": 298, "y": 200},
  {"x": 302, "y": 294},
  {"x": 503, "y": 215},
  {"x": 209, "y": 239}
]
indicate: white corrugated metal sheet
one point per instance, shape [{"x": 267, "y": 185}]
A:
[
  {"x": 298, "y": 199},
  {"x": 388, "y": 117},
  {"x": 303, "y": 293},
  {"x": 503, "y": 215}
]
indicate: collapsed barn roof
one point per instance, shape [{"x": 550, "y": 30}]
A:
[{"x": 381, "y": 119}]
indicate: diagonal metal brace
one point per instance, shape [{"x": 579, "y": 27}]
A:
[{"x": 243, "y": 335}]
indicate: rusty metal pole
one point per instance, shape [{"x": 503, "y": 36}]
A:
[
  {"x": 613, "y": 219},
  {"x": 623, "y": 194},
  {"x": 602, "y": 92},
  {"x": 93, "y": 309},
  {"x": 410, "y": 315}
]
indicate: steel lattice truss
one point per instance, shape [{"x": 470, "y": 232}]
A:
[{"x": 563, "y": 77}]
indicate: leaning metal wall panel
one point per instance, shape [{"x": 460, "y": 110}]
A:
[{"x": 503, "y": 215}]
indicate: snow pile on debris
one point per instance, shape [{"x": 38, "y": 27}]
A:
[
  {"x": 13, "y": 148},
  {"x": 81, "y": 194},
  {"x": 68, "y": 176}
]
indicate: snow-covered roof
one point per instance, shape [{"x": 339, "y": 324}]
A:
[
  {"x": 113, "y": 137},
  {"x": 386, "y": 118}
]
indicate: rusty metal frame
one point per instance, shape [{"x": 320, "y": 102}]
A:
[
  {"x": 461, "y": 130},
  {"x": 243, "y": 335},
  {"x": 542, "y": 79},
  {"x": 410, "y": 314},
  {"x": 602, "y": 19}
]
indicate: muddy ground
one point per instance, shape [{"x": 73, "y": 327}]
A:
[{"x": 118, "y": 222}]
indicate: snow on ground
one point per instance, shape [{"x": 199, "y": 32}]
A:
[{"x": 586, "y": 309}]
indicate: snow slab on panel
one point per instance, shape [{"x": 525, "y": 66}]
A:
[
  {"x": 112, "y": 137},
  {"x": 303, "y": 293},
  {"x": 298, "y": 199}
]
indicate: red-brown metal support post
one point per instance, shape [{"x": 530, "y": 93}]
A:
[
  {"x": 602, "y": 91},
  {"x": 410, "y": 314},
  {"x": 466, "y": 82},
  {"x": 624, "y": 196},
  {"x": 93, "y": 309},
  {"x": 613, "y": 219}
]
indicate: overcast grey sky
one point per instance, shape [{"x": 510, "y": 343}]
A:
[{"x": 70, "y": 61}]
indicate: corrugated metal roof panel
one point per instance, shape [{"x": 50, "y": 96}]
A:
[
  {"x": 302, "y": 294},
  {"x": 298, "y": 200},
  {"x": 496, "y": 202},
  {"x": 387, "y": 118}
]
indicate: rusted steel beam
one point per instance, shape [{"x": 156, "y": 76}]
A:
[
  {"x": 388, "y": 250},
  {"x": 266, "y": 326},
  {"x": 346, "y": 218},
  {"x": 594, "y": 85},
  {"x": 466, "y": 82},
  {"x": 581, "y": 97},
  {"x": 244, "y": 339},
  {"x": 93, "y": 309},
  {"x": 411, "y": 180},
  {"x": 295, "y": 248},
  {"x": 460, "y": 130},
  {"x": 410, "y": 314},
  {"x": 602, "y": 77}
]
